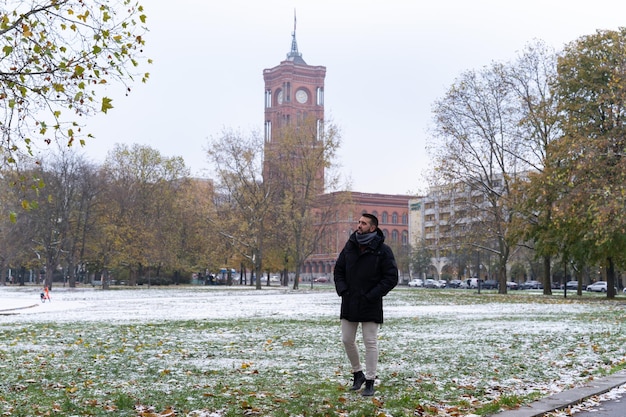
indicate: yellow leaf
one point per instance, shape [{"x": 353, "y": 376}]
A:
[
  {"x": 26, "y": 30},
  {"x": 106, "y": 104}
]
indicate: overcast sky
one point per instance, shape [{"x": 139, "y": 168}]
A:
[{"x": 387, "y": 62}]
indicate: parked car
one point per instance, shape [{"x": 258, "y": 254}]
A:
[
  {"x": 511, "y": 285},
  {"x": 490, "y": 284},
  {"x": 321, "y": 279},
  {"x": 455, "y": 283},
  {"x": 571, "y": 285},
  {"x": 416, "y": 282},
  {"x": 472, "y": 283},
  {"x": 600, "y": 286},
  {"x": 434, "y": 283},
  {"x": 274, "y": 279},
  {"x": 532, "y": 285}
]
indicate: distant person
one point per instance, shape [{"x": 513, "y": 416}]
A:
[
  {"x": 365, "y": 272},
  {"x": 45, "y": 294}
]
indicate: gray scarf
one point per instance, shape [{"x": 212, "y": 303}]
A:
[{"x": 365, "y": 238}]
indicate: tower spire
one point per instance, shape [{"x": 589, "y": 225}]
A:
[{"x": 294, "y": 55}]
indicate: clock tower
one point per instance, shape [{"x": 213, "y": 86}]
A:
[{"x": 294, "y": 102}]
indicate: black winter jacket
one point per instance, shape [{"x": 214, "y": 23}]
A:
[{"x": 363, "y": 276}]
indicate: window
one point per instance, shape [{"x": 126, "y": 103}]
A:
[
  {"x": 385, "y": 217},
  {"x": 405, "y": 238},
  {"x": 394, "y": 236},
  {"x": 268, "y": 98},
  {"x": 287, "y": 92},
  {"x": 320, "y": 96},
  {"x": 268, "y": 131},
  {"x": 394, "y": 218},
  {"x": 405, "y": 218}
]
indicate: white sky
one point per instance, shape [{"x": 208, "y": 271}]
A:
[{"x": 387, "y": 62}]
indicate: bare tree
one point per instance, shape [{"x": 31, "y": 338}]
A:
[{"x": 477, "y": 143}]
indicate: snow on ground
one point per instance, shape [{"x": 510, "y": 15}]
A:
[
  {"x": 154, "y": 304},
  {"x": 452, "y": 339},
  {"x": 193, "y": 303}
]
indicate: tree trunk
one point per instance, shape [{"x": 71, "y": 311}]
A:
[
  {"x": 285, "y": 277},
  {"x": 610, "y": 278},
  {"x": 547, "y": 287}
]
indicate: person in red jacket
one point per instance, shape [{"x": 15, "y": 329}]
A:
[
  {"x": 45, "y": 294},
  {"x": 365, "y": 272}
]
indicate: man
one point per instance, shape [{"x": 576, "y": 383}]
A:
[{"x": 365, "y": 272}]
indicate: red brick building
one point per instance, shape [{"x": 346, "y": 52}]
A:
[
  {"x": 393, "y": 219},
  {"x": 294, "y": 101},
  {"x": 294, "y": 93}
]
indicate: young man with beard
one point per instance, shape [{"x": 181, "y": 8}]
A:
[{"x": 365, "y": 272}]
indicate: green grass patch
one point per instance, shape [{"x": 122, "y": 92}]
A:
[{"x": 441, "y": 353}]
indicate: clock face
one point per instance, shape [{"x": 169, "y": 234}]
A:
[
  {"x": 302, "y": 96},
  {"x": 280, "y": 97}
]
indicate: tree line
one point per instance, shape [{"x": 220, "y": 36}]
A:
[
  {"x": 140, "y": 218},
  {"x": 542, "y": 140}
]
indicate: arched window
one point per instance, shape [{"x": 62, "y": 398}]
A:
[
  {"x": 405, "y": 238},
  {"x": 386, "y": 233},
  {"x": 394, "y": 218},
  {"x": 394, "y": 236},
  {"x": 385, "y": 217},
  {"x": 405, "y": 218}
]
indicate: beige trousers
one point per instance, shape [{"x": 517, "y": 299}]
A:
[{"x": 370, "y": 340}]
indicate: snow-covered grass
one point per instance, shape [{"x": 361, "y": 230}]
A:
[{"x": 233, "y": 351}]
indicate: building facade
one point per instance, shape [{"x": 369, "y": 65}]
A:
[
  {"x": 393, "y": 219},
  {"x": 448, "y": 222}
]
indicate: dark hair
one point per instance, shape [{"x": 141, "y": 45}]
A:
[{"x": 373, "y": 218}]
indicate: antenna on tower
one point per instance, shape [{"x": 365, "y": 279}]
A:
[
  {"x": 294, "y": 55},
  {"x": 294, "y": 44}
]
